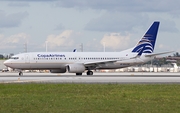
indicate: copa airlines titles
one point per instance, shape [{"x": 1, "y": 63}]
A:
[{"x": 50, "y": 55}]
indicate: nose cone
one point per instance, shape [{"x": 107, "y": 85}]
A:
[{"x": 7, "y": 63}]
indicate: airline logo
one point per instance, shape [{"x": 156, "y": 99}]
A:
[
  {"x": 146, "y": 43},
  {"x": 50, "y": 55}
]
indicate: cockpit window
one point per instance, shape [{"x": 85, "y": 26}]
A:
[{"x": 14, "y": 58}]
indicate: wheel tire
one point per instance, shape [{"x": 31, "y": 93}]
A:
[
  {"x": 20, "y": 73},
  {"x": 78, "y": 73},
  {"x": 89, "y": 73}
]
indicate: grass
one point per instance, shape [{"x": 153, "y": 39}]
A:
[{"x": 89, "y": 98}]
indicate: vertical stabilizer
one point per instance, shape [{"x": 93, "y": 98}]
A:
[{"x": 148, "y": 41}]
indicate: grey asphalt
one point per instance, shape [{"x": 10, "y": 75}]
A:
[{"x": 120, "y": 78}]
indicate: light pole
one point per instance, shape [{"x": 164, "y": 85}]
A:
[
  {"x": 46, "y": 46},
  {"x": 81, "y": 47},
  {"x": 104, "y": 45},
  {"x": 25, "y": 47}
]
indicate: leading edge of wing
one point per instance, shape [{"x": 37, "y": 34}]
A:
[
  {"x": 99, "y": 62},
  {"x": 106, "y": 61}
]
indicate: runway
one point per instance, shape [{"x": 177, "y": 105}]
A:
[{"x": 120, "y": 78}]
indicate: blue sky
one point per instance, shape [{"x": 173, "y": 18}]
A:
[{"x": 66, "y": 24}]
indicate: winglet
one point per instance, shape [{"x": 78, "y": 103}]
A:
[
  {"x": 140, "y": 52},
  {"x": 74, "y": 50}
]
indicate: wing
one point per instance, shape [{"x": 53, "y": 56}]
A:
[{"x": 95, "y": 63}]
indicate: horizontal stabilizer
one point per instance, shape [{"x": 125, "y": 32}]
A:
[{"x": 156, "y": 54}]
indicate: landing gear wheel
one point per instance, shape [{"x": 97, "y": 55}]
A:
[
  {"x": 89, "y": 73},
  {"x": 20, "y": 73},
  {"x": 78, "y": 73}
]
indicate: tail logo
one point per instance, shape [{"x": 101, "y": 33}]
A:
[{"x": 147, "y": 42}]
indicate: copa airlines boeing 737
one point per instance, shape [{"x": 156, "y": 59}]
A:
[{"x": 78, "y": 62}]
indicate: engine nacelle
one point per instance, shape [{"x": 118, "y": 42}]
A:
[
  {"x": 63, "y": 70},
  {"x": 76, "y": 68}
]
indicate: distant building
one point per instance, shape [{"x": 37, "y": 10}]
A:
[
  {"x": 1, "y": 56},
  {"x": 10, "y": 55},
  {"x": 2, "y": 66}
]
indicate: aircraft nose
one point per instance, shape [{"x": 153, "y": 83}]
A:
[{"x": 7, "y": 63}]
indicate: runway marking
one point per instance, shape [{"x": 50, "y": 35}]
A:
[
  {"x": 120, "y": 78},
  {"x": 25, "y": 81}
]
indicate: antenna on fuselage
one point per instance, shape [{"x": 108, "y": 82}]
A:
[{"x": 46, "y": 46}]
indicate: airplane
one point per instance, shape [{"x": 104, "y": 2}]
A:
[{"x": 79, "y": 62}]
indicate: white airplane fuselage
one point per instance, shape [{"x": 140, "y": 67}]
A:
[{"x": 59, "y": 60}]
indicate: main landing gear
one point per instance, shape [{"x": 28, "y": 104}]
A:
[
  {"x": 20, "y": 73},
  {"x": 88, "y": 73},
  {"x": 78, "y": 73}
]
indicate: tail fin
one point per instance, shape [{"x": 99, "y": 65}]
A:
[{"x": 148, "y": 41}]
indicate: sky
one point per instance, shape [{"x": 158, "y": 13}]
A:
[{"x": 98, "y": 25}]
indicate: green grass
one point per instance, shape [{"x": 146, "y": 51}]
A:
[{"x": 89, "y": 98}]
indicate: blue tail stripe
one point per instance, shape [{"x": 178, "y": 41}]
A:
[
  {"x": 141, "y": 51},
  {"x": 148, "y": 40}
]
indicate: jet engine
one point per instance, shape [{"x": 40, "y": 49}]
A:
[{"x": 76, "y": 68}]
